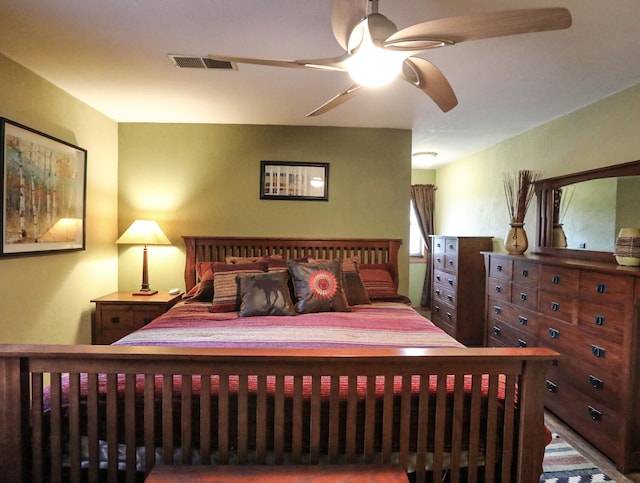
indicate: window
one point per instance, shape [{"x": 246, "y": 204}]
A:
[{"x": 416, "y": 242}]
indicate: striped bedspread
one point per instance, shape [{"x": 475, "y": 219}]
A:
[{"x": 377, "y": 325}]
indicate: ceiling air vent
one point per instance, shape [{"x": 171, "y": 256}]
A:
[{"x": 195, "y": 62}]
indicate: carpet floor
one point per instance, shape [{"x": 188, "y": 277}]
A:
[{"x": 563, "y": 464}]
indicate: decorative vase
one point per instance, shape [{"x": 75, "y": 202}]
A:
[
  {"x": 559, "y": 237},
  {"x": 516, "y": 241},
  {"x": 628, "y": 247}
]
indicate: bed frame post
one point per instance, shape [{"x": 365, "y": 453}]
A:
[
  {"x": 14, "y": 420},
  {"x": 531, "y": 436}
]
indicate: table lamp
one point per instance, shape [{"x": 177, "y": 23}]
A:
[{"x": 144, "y": 232}]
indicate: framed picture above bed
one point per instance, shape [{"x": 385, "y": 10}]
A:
[
  {"x": 43, "y": 192},
  {"x": 292, "y": 180}
]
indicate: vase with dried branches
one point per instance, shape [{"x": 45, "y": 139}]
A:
[{"x": 518, "y": 190}]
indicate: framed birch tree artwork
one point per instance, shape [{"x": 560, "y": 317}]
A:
[{"x": 43, "y": 192}]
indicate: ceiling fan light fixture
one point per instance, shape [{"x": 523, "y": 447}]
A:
[{"x": 371, "y": 65}]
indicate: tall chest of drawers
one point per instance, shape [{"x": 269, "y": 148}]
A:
[
  {"x": 457, "y": 288},
  {"x": 589, "y": 312}
]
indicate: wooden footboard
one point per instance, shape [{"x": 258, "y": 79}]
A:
[{"x": 52, "y": 433}]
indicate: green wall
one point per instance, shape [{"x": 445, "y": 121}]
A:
[
  {"x": 470, "y": 198},
  {"x": 46, "y": 298},
  {"x": 202, "y": 179}
]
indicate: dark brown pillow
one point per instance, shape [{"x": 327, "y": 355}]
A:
[
  {"x": 318, "y": 287},
  {"x": 265, "y": 294}
]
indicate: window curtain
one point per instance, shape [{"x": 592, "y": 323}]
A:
[{"x": 423, "y": 199}]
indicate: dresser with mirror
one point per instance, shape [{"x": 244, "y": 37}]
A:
[{"x": 572, "y": 296}]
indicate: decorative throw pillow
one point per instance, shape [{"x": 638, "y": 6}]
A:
[
  {"x": 318, "y": 287},
  {"x": 202, "y": 292},
  {"x": 226, "y": 291},
  {"x": 377, "y": 280},
  {"x": 265, "y": 294},
  {"x": 352, "y": 284}
]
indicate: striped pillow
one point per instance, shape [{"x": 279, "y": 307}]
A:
[{"x": 226, "y": 289}]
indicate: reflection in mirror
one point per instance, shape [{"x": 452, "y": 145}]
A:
[{"x": 591, "y": 213}]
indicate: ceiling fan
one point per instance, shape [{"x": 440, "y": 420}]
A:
[{"x": 376, "y": 52}]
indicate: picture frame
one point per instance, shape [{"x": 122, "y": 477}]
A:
[
  {"x": 294, "y": 180},
  {"x": 43, "y": 193}
]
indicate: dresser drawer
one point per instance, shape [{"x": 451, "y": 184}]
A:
[
  {"x": 451, "y": 245},
  {"x": 606, "y": 289},
  {"x": 499, "y": 289},
  {"x": 509, "y": 335},
  {"x": 559, "y": 279},
  {"x": 526, "y": 273},
  {"x": 556, "y": 305},
  {"x": 450, "y": 262},
  {"x": 143, "y": 315},
  {"x": 438, "y": 261},
  {"x": 595, "y": 353},
  {"x": 116, "y": 317},
  {"x": 438, "y": 244},
  {"x": 444, "y": 278},
  {"x": 501, "y": 268},
  {"x": 444, "y": 317},
  {"x": 594, "y": 421},
  {"x": 515, "y": 316},
  {"x": 444, "y": 294},
  {"x": 601, "y": 386},
  {"x": 524, "y": 296},
  {"x": 602, "y": 321}
]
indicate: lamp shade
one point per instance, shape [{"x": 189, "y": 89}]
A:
[{"x": 143, "y": 232}]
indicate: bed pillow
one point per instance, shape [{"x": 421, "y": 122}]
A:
[
  {"x": 318, "y": 287},
  {"x": 378, "y": 281},
  {"x": 202, "y": 292},
  {"x": 226, "y": 290},
  {"x": 352, "y": 283},
  {"x": 265, "y": 294}
]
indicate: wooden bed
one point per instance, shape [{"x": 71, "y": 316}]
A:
[{"x": 49, "y": 443}]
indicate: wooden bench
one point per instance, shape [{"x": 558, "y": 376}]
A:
[{"x": 278, "y": 474}]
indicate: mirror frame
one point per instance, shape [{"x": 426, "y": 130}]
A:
[{"x": 544, "y": 190}]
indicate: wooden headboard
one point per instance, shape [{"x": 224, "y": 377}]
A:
[{"x": 216, "y": 248}]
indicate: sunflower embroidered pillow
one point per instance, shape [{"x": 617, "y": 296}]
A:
[{"x": 318, "y": 287}]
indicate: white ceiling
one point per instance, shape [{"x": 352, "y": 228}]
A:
[{"x": 113, "y": 55}]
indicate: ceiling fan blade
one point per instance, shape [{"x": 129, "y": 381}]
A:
[
  {"x": 345, "y": 15},
  {"x": 452, "y": 30},
  {"x": 333, "y": 63},
  {"x": 335, "y": 101},
  {"x": 428, "y": 78}
]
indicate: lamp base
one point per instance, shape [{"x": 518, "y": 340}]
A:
[{"x": 145, "y": 292}]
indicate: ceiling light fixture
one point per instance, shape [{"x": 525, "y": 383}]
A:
[{"x": 423, "y": 159}]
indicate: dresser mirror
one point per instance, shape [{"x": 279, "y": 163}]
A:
[{"x": 580, "y": 214}]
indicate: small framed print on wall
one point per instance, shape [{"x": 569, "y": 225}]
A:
[
  {"x": 43, "y": 192},
  {"x": 292, "y": 180}
]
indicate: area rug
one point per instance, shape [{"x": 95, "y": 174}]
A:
[{"x": 563, "y": 464}]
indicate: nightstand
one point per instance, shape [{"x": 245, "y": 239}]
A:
[{"x": 120, "y": 313}]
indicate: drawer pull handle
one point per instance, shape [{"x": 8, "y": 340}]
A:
[
  {"x": 450, "y": 281},
  {"x": 449, "y": 316},
  {"x": 439, "y": 260},
  {"x": 551, "y": 387},
  {"x": 525, "y": 273},
  {"x": 497, "y": 310},
  {"x": 599, "y": 319},
  {"x": 451, "y": 246},
  {"x": 437, "y": 291},
  {"x": 450, "y": 298},
  {"x": 438, "y": 278},
  {"x": 595, "y": 382},
  {"x": 499, "y": 268},
  {"x": 554, "y": 333},
  {"x": 555, "y": 279},
  {"x": 523, "y": 320},
  {"x": 522, "y": 343},
  {"x": 496, "y": 330},
  {"x": 594, "y": 413},
  {"x": 597, "y": 351},
  {"x": 115, "y": 320},
  {"x": 436, "y": 308},
  {"x": 438, "y": 245},
  {"x": 601, "y": 288},
  {"x": 523, "y": 296},
  {"x": 451, "y": 263},
  {"x": 555, "y": 306},
  {"x": 498, "y": 289}
]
